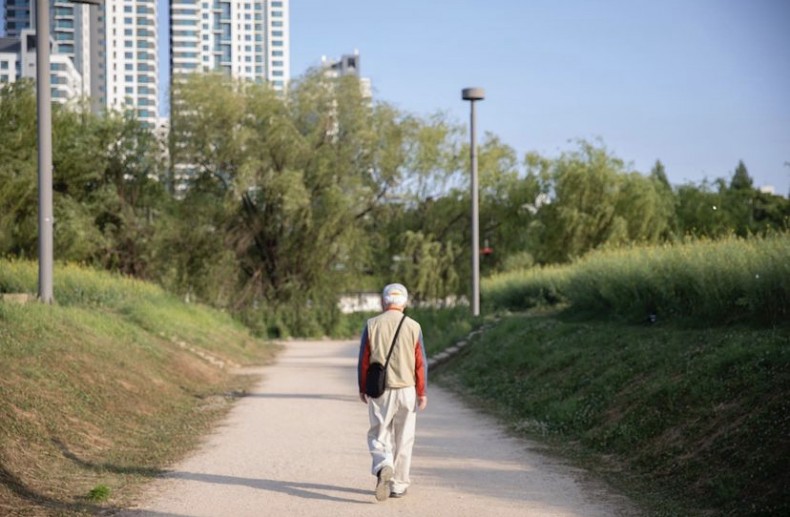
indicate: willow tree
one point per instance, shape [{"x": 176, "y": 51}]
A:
[
  {"x": 288, "y": 184},
  {"x": 597, "y": 202}
]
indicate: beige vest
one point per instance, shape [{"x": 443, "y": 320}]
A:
[{"x": 381, "y": 330}]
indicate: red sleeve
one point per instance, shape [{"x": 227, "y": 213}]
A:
[
  {"x": 420, "y": 368},
  {"x": 364, "y": 361}
]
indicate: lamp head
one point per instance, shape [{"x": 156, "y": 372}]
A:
[{"x": 473, "y": 94}]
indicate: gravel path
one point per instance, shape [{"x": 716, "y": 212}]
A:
[{"x": 291, "y": 450}]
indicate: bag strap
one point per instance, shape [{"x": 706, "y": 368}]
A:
[{"x": 392, "y": 346}]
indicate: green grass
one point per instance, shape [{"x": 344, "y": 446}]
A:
[
  {"x": 99, "y": 493},
  {"x": 689, "y": 414},
  {"x": 689, "y": 420},
  {"x": 704, "y": 281},
  {"x": 105, "y": 387}
]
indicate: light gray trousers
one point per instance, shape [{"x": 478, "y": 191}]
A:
[{"x": 391, "y": 435}]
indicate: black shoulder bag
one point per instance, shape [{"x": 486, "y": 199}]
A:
[{"x": 376, "y": 381}]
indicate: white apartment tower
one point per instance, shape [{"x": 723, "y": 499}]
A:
[
  {"x": 118, "y": 65},
  {"x": 246, "y": 39},
  {"x": 69, "y": 29},
  {"x": 129, "y": 48},
  {"x": 18, "y": 60}
]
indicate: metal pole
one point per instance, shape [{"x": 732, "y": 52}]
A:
[
  {"x": 45, "y": 216},
  {"x": 472, "y": 95},
  {"x": 475, "y": 219}
]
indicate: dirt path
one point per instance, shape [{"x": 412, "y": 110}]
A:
[{"x": 290, "y": 450}]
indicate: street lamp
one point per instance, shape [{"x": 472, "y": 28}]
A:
[
  {"x": 472, "y": 95},
  {"x": 44, "y": 113}
]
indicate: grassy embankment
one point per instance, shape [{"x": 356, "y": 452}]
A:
[
  {"x": 668, "y": 370},
  {"x": 105, "y": 387}
]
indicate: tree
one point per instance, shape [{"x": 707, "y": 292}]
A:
[
  {"x": 18, "y": 169},
  {"x": 741, "y": 179},
  {"x": 595, "y": 202},
  {"x": 700, "y": 211},
  {"x": 660, "y": 180},
  {"x": 658, "y": 173},
  {"x": 301, "y": 180},
  {"x": 427, "y": 267},
  {"x": 739, "y": 201}
]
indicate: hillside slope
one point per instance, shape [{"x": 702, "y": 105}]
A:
[
  {"x": 694, "y": 421},
  {"x": 105, "y": 387}
]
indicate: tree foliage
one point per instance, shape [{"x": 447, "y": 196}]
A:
[
  {"x": 596, "y": 202},
  {"x": 273, "y": 204}
]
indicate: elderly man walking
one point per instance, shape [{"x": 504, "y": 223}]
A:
[{"x": 395, "y": 340}]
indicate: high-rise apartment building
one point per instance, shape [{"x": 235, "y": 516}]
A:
[
  {"x": 69, "y": 29},
  {"x": 112, "y": 47},
  {"x": 18, "y": 14},
  {"x": 129, "y": 51},
  {"x": 246, "y": 39},
  {"x": 18, "y": 60},
  {"x": 348, "y": 64}
]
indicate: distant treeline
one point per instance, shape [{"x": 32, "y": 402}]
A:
[{"x": 271, "y": 205}]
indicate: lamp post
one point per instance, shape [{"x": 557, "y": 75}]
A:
[
  {"x": 44, "y": 114},
  {"x": 472, "y": 95}
]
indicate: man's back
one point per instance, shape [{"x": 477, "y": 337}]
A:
[{"x": 406, "y": 351}]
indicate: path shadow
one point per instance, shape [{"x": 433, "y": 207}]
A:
[
  {"x": 105, "y": 467},
  {"x": 292, "y": 488},
  {"x": 43, "y": 502}
]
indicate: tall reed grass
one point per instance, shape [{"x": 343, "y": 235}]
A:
[
  {"x": 711, "y": 281},
  {"x": 143, "y": 304}
]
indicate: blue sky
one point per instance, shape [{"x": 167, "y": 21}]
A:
[{"x": 698, "y": 84}]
